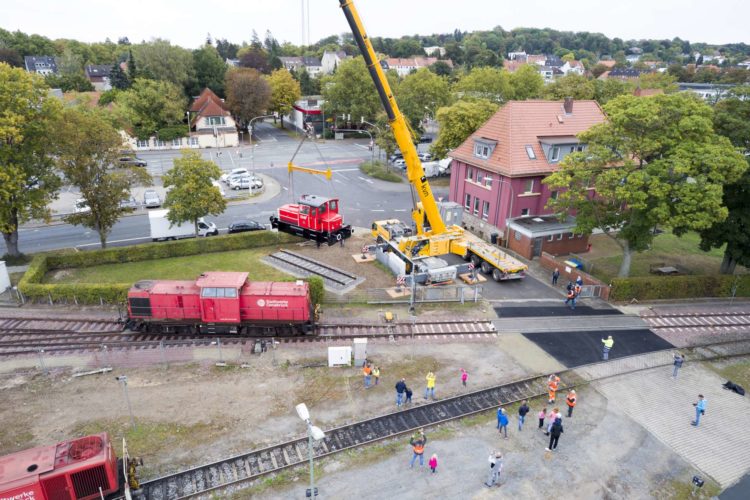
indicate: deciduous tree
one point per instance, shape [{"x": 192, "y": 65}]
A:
[
  {"x": 248, "y": 95},
  {"x": 285, "y": 91},
  {"x": 527, "y": 83},
  {"x": 149, "y": 105},
  {"x": 656, "y": 161},
  {"x": 160, "y": 60},
  {"x": 87, "y": 150},
  {"x": 192, "y": 195},
  {"x": 420, "y": 94},
  {"x": 732, "y": 120},
  {"x": 351, "y": 91},
  {"x": 27, "y": 176},
  {"x": 576, "y": 86},
  {"x": 210, "y": 71},
  {"x": 459, "y": 121},
  {"x": 491, "y": 84}
]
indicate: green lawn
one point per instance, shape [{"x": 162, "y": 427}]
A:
[
  {"x": 186, "y": 268},
  {"x": 603, "y": 261}
]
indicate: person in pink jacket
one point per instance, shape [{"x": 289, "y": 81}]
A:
[
  {"x": 433, "y": 463},
  {"x": 464, "y": 377}
]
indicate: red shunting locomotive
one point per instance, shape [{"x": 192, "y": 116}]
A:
[
  {"x": 71, "y": 470},
  {"x": 314, "y": 218},
  {"x": 220, "y": 302}
]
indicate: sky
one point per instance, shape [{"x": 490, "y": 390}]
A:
[{"x": 188, "y": 22}]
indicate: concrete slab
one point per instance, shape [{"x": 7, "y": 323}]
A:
[
  {"x": 550, "y": 309},
  {"x": 720, "y": 446}
]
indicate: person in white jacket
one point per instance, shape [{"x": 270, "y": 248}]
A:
[{"x": 496, "y": 465}]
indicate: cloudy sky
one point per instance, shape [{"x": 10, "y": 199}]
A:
[{"x": 187, "y": 22}]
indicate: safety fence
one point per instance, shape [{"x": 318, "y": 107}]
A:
[{"x": 423, "y": 295}]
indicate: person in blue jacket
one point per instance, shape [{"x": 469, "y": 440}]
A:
[
  {"x": 502, "y": 421},
  {"x": 700, "y": 409}
]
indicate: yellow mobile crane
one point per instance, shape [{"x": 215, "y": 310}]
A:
[{"x": 433, "y": 237}]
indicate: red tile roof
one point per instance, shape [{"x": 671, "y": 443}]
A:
[
  {"x": 512, "y": 66},
  {"x": 208, "y": 104},
  {"x": 608, "y": 63},
  {"x": 521, "y": 123}
]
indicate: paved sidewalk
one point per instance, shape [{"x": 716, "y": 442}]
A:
[{"x": 720, "y": 446}]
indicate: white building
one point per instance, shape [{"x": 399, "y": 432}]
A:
[{"x": 331, "y": 60}]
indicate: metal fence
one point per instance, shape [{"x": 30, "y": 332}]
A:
[{"x": 447, "y": 293}]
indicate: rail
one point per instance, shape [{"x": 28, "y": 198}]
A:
[{"x": 234, "y": 471}]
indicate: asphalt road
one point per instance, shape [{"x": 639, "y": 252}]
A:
[{"x": 362, "y": 199}]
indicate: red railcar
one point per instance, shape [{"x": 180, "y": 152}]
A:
[
  {"x": 314, "y": 218},
  {"x": 220, "y": 302},
  {"x": 71, "y": 470}
]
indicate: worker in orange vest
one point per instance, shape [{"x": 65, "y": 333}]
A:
[
  {"x": 552, "y": 384},
  {"x": 417, "y": 441},
  {"x": 571, "y": 400},
  {"x": 367, "y": 372}
]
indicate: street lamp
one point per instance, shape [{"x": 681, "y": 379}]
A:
[
  {"x": 188, "y": 117},
  {"x": 312, "y": 433},
  {"x": 124, "y": 380},
  {"x": 362, "y": 120}
]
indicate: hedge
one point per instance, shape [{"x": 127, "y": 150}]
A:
[
  {"x": 678, "y": 287},
  {"x": 32, "y": 287}
]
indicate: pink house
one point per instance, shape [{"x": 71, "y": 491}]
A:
[{"x": 497, "y": 172}]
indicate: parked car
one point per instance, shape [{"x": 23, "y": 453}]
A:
[
  {"x": 395, "y": 156},
  {"x": 130, "y": 161},
  {"x": 400, "y": 163},
  {"x": 235, "y": 171},
  {"x": 221, "y": 189},
  {"x": 241, "y": 227},
  {"x": 82, "y": 206},
  {"x": 245, "y": 182},
  {"x": 425, "y": 156},
  {"x": 151, "y": 199},
  {"x": 425, "y": 139},
  {"x": 129, "y": 203}
]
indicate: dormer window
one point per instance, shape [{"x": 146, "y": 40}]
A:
[
  {"x": 554, "y": 154},
  {"x": 483, "y": 148}
]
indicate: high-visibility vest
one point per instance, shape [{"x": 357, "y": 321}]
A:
[
  {"x": 376, "y": 372},
  {"x": 366, "y": 370},
  {"x": 418, "y": 448},
  {"x": 608, "y": 343},
  {"x": 430, "y": 381},
  {"x": 571, "y": 399},
  {"x": 553, "y": 384}
]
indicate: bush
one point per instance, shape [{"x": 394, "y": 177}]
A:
[
  {"x": 31, "y": 284},
  {"x": 379, "y": 171},
  {"x": 678, "y": 287},
  {"x": 317, "y": 291}
]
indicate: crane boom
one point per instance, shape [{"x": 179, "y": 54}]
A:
[{"x": 414, "y": 170}]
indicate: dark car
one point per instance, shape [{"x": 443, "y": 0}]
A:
[
  {"x": 241, "y": 227},
  {"x": 128, "y": 161}
]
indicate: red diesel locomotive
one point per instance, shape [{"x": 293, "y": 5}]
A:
[
  {"x": 314, "y": 218},
  {"x": 78, "y": 469},
  {"x": 220, "y": 302}
]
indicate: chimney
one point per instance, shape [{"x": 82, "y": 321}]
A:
[{"x": 568, "y": 106}]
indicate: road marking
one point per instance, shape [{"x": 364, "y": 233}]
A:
[
  {"x": 400, "y": 210},
  {"x": 366, "y": 180},
  {"x": 340, "y": 182},
  {"x": 377, "y": 210}
]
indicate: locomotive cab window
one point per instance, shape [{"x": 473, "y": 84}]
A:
[
  {"x": 229, "y": 293},
  {"x": 304, "y": 210},
  {"x": 208, "y": 292},
  {"x": 333, "y": 205}
]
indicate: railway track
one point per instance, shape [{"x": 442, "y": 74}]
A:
[
  {"x": 229, "y": 475},
  {"x": 715, "y": 322},
  {"x": 305, "y": 266},
  {"x": 57, "y": 324},
  {"x": 15, "y": 341}
]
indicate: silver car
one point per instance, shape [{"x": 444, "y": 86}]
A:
[{"x": 151, "y": 199}]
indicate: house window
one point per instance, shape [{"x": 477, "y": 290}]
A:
[
  {"x": 488, "y": 181},
  {"x": 551, "y": 237},
  {"x": 524, "y": 212},
  {"x": 469, "y": 173},
  {"x": 159, "y": 143},
  {"x": 480, "y": 177},
  {"x": 530, "y": 152},
  {"x": 177, "y": 142},
  {"x": 559, "y": 237},
  {"x": 579, "y": 148},
  {"x": 193, "y": 141},
  {"x": 141, "y": 144},
  {"x": 481, "y": 151},
  {"x": 476, "y": 206},
  {"x": 528, "y": 186},
  {"x": 570, "y": 236},
  {"x": 553, "y": 195},
  {"x": 517, "y": 235},
  {"x": 485, "y": 210},
  {"x": 467, "y": 204},
  {"x": 554, "y": 154},
  {"x": 215, "y": 120}
]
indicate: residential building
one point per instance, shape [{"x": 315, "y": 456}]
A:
[
  {"x": 405, "y": 65},
  {"x": 517, "y": 56},
  {"x": 43, "y": 65},
  {"x": 98, "y": 75},
  {"x": 497, "y": 173},
  {"x": 232, "y": 63},
  {"x": 624, "y": 74},
  {"x": 711, "y": 92},
  {"x": 435, "y": 51},
  {"x": 211, "y": 123},
  {"x": 310, "y": 64},
  {"x": 572, "y": 67},
  {"x": 331, "y": 60}
]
